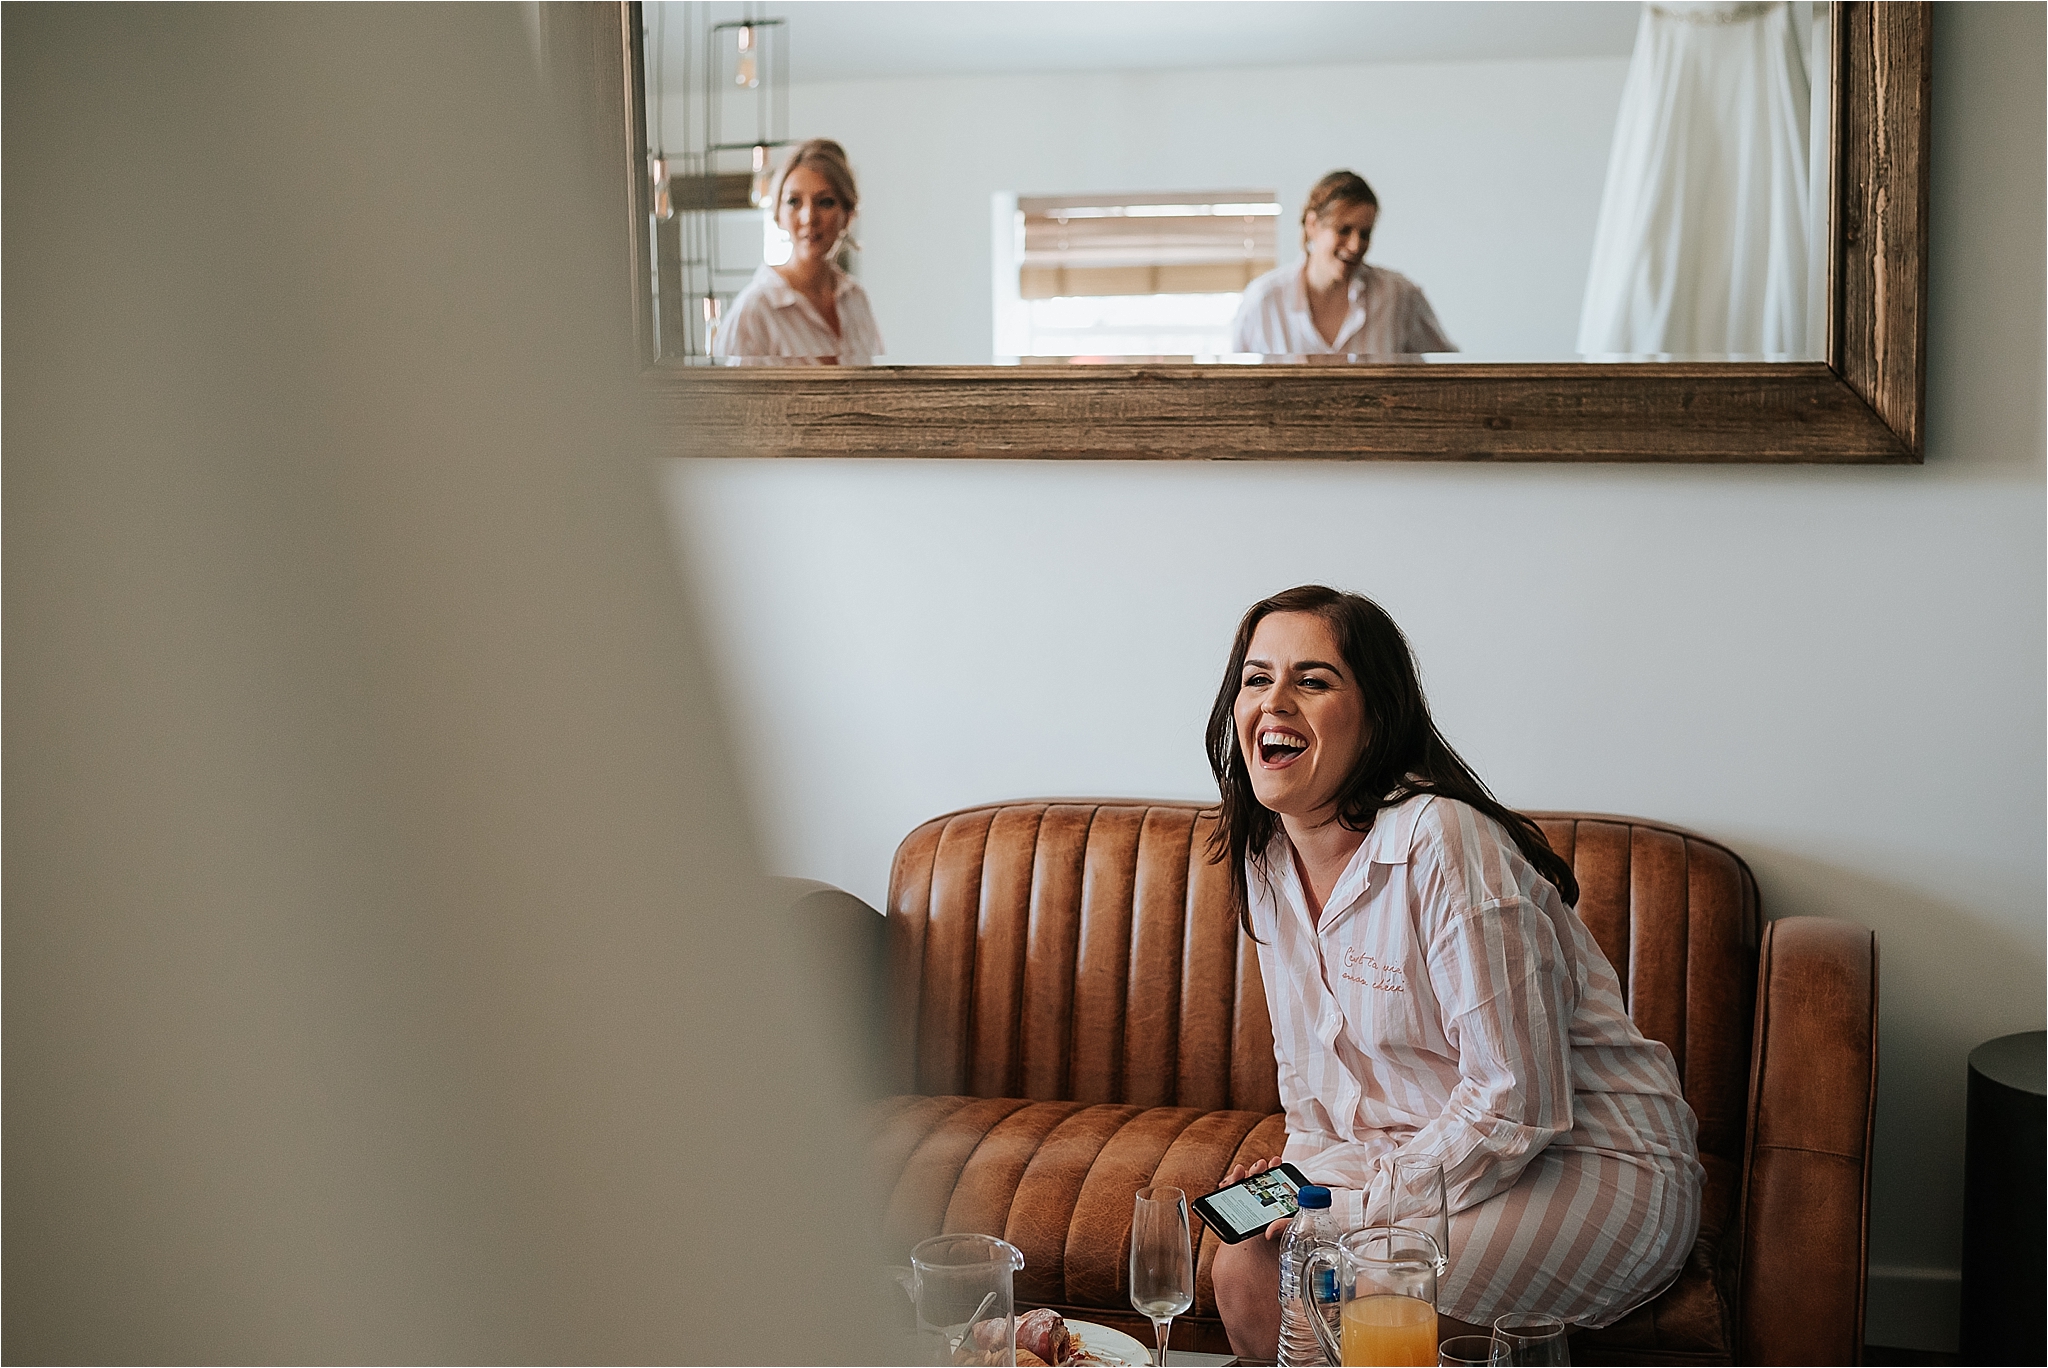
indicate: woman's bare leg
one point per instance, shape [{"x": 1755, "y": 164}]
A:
[{"x": 1246, "y": 1276}]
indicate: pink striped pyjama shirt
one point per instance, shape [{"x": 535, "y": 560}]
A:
[{"x": 1451, "y": 1004}]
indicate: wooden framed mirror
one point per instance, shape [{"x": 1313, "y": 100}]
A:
[{"x": 1863, "y": 404}]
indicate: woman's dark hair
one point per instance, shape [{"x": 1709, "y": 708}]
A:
[{"x": 1404, "y": 753}]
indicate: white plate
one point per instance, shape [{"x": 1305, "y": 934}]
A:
[{"x": 1110, "y": 1346}]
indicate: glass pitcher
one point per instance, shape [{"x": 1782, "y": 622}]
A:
[
  {"x": 1386, "y": 1285},
  {"x": 966, "y": 1312}
]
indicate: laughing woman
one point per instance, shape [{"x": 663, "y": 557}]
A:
[
  {"x": 1489, "y": 1032},
  {"x": 1333, "y": 302},
  {"x": 807, "y": 307}
]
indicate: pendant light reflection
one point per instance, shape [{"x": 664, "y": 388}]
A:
[
  {"x": 776, "y": 248},
  {"x": 746, "y": 73},
  {"x": 664, "y": 201}
]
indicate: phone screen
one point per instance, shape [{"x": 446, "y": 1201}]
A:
[{"x": 1245, "y": 1208}]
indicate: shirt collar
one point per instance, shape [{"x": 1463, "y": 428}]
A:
[
  {"x": 1388, "y": 843},
  {"x": 781, "y": 294},
  {"x": 1297, "y": 285},
  {"x": 1393, "y": 830},
  {"x": 1297, "y": 288}
]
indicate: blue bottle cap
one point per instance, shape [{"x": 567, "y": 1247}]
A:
[{"x": 1310, "y": 1197}]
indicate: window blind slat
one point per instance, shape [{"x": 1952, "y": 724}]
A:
[
  {"x": 1154, "y": 243},
  {"x": 1052, "y": 282}
]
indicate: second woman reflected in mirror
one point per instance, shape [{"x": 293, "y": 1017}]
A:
[
  {"x": 809, "y": 307},
  {"x": 1333, "y": 302}
]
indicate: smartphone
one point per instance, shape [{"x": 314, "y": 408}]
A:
[{"x": 1242, "y": 1210}]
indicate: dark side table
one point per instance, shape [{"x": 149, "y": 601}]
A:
[{"x": 2005, "y": 1230}]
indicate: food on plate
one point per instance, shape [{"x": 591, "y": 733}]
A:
[
  {"x": 1044, "y": 1340},
  {"x": 1044, "y": 1333}
]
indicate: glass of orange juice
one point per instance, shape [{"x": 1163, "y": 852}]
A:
[{"x": 1386, "y": 1280}]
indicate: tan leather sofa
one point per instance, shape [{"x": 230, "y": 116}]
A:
[{"x": 1074, "y": 1014}]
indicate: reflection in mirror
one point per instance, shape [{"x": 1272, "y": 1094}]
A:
[
  {"x": 1135, "y": 274},
  {"x": 1555, "y": 179}
]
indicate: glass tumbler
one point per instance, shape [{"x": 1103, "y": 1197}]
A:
[{"x": 1417, "y": 1202}]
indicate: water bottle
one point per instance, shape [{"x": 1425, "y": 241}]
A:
[{"x": 1313, "y": 1224}]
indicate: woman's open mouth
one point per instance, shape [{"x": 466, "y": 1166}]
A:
[{"x": 1278, "y": 749}]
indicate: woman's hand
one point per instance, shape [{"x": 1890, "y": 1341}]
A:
[{"x": 1239, "y": 1173}]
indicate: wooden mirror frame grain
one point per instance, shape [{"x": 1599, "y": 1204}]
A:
[{"x": 1863, "y": 405}]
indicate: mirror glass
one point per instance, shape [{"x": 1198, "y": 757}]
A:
[{"x": 1044, "y": 183}]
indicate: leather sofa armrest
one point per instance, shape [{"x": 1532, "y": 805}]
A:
[{"x": 1805, "y": 1212}]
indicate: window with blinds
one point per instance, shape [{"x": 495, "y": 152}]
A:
[
  {"x": 1214, "y": 242},
  {"x": 1155, "y": 274}
]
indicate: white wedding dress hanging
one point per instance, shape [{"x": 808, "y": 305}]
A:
[{"x": 1705, "y": 229}]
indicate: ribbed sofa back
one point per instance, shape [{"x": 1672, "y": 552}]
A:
[
  {"x": 1076, "y": 951},
  {"x": 1084, "y": 951}
]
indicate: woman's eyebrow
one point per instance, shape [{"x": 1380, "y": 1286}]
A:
[{"x": 1299, "y": 665}]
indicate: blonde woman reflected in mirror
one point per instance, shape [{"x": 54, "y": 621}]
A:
[
  {"x": 807, "y": 308},
  {"x": 1331, "y": 301}
]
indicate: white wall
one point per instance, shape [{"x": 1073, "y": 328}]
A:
[
  {"x": 1488, "y": 173},
  {"x": 1837, "y": 671}
]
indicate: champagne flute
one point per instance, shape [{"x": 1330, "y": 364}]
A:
[
  {"x": 1533, "y": 1339},
  {"x": 1417, "y": 1202},
  {"x": 1162, "y": 1259}
]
